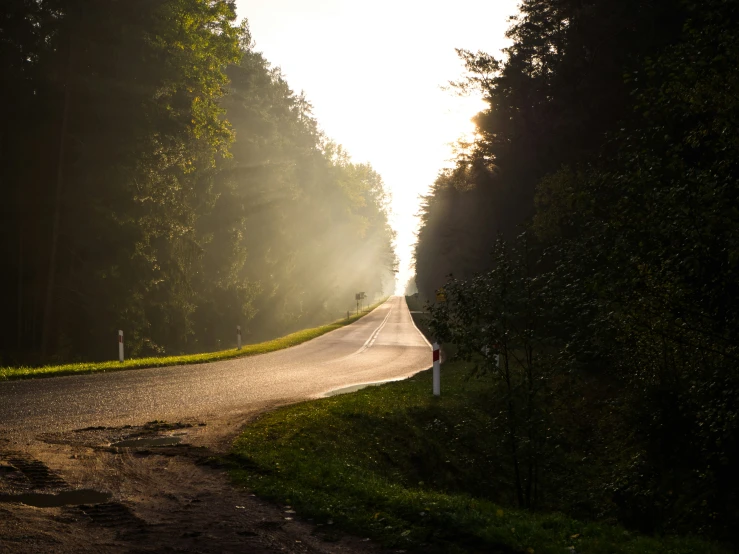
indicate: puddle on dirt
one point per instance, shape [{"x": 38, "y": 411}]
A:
[
  {"x": 148, "y": 441},
  {"x": 67, "y": 498}
]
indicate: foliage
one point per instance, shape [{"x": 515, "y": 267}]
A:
[
  {"x": 628, "y": 141},
  {"x": 662, "y": 211},
  {"x": 498, "y": 321},
  {"x": 551, "y": 102},
  {"x": 161, "y": 178},
  {"x": 394, "y": 463}
]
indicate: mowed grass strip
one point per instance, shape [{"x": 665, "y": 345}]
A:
[
  {"x": 293, "y": 339},
  {"x": 393, "y": 463}
]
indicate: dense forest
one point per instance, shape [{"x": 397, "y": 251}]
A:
[
  {"x": 159, "y": 176},
  {"x": 591, "y": 231}
]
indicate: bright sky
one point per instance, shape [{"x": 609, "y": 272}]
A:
[{"x": 373, "y": 72}]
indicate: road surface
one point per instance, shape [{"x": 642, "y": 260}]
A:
[
  {"x": 383, "y": 345},
  {"x": 58, "y": 435}
]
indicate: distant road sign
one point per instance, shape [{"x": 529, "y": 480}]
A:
[
  {"x": 440, "y": 295},
  {"x": 359, "y": 297}
]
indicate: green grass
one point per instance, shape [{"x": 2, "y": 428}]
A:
[
  {"x": 396, "y": 464},
  {"x": 10, "y": 373}
]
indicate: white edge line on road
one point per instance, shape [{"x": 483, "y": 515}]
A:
[
  {"x": 414, "y": 325},
  {"x": 363, "y": 384}
]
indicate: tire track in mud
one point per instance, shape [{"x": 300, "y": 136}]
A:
[
  {"x": 110, "y": 514},
  {"x": 38, "y": 475},
  {"x": 170, "y": 498}
]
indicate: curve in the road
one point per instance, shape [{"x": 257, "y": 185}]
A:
[{"x": 384, "y": 345}]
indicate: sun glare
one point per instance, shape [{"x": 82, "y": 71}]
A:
[
  {"x": 376, "y": 76},
  {"x": 449, "y": 121}
]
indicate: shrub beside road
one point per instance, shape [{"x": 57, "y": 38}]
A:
[{"x": 394, "y": 463}]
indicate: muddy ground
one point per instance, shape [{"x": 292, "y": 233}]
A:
[{"x": 169, "y": 494}]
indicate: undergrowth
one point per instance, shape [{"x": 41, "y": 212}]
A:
[{"x": 415, "y": 472}]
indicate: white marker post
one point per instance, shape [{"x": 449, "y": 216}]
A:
[
  {"x": 238, "y": 337},
  {"x": 437, "y": 370},
  {"x": 120, "y": 346}
]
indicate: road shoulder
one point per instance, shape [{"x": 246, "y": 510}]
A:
[{"x": 177, "y": 497}]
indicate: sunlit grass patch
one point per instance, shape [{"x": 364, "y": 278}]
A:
[
  {"x": 398, "y": 465},
  {"x": 293, "y": 339}
]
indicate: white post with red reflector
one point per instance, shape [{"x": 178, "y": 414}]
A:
[
  {"x": 238, "y": 337},
  {"x": 120, "y": 346},
  {"x": 437, "y": 370}
]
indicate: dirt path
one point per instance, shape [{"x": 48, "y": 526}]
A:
[{"x": 162, "y": 498}]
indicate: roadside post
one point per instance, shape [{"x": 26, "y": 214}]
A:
[
  {"x": 238, "y": 337},
  {"x": 440, "y": 297},
  {"x": 120, "y": 346},
  {"x": 437, "y": 370}
]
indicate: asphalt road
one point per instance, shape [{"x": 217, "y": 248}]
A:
[{"x": 383, "y": 345}]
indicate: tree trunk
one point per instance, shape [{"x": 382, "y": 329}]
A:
[
  {"x": 20, "y": 289},
  {"x": 512, "y": 427},
  {"x": 48, "y": 305}
]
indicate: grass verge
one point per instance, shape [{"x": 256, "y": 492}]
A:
[
  {"x": 415, "y": 472},
  {"x": 293, "y": 339}
]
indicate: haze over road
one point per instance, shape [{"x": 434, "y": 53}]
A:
[{"x": 381, "y": 346}]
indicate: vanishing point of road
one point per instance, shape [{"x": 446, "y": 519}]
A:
[{"x": 384, "y": 345}]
